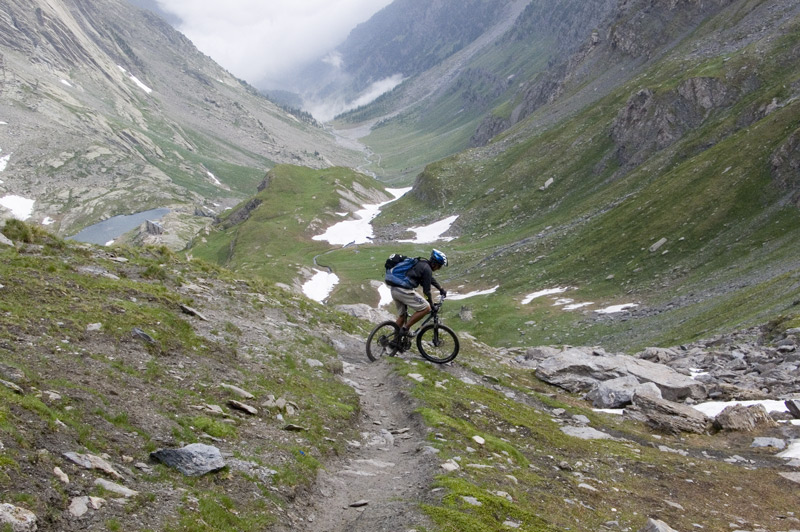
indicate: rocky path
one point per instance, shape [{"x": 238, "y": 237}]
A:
[{"x": 378, "y": 483}]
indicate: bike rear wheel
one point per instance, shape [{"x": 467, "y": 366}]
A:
[
  {"x": 384, "y": 340},
  {"x": 437, "y": 343}
]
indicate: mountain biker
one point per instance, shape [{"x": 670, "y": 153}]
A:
[{"x": 421, "y": 274}]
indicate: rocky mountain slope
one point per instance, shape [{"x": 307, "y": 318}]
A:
[
  {"x": 107, "y": 110},
  {"x": 142, "y": 391}
]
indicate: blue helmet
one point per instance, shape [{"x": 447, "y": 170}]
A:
[{"x": 438, "y": 257}]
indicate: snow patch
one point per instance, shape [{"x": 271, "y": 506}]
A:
[
  {"x": 576, "y": 306},
  {"x": 616, "y": 308},
  {"x": 21, "y": 208},
  {"x": 213, "y": 178},
  {"x": 792, "y": 452},
  {"x": 320, "y": 286},
  {"x": 433, "y": 232},
  {"x": 67, "y": 83},
  {"x": 541, "y": 293},
  {"x": 458, "y": 297},
  {"x": 4, "y": 162},
  {"x": 358, "y": 231},
  {"x": 136, "y": 80}
]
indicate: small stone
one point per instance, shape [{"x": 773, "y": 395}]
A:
[
  {"x": 90, "y": 461},
  {"x": 472, "y": 501},
  {"x": 13, "y": 387},
  {"x": 195, "y": 459},
  {"x": 61, "y": 475},
  {"x": 479, "y": 440},
  {"x": 113, "y": 487},
  {"x": 450, "y": 466},
  {"x": 242, "y": 407},
  {"x": 141, "y": 335},
  {"x": 244, "y": 394},
  {"x": 192, "y": 312},
  {"x": 359, "y": 504}
]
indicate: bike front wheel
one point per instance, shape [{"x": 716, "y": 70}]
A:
[
  {"x": 437, "y": 343},
  {"x": 384, "y": 340}
]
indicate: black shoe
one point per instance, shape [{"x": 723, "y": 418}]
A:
[{"x": 404, "y": 331}]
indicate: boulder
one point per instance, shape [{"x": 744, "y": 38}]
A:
[
  {"x": 740, "y": 417},
  {"x": 657, "y": 354},
  {"x": 794, "y": 407},
  {"x": 668, "y": 416},
  {"x": 614, "y": 393},
  {"x": 577, "y": 371},
  {"x": 193, "y": 460}
]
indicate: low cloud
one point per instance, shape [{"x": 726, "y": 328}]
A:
[
  {"x": 326, "y": 110},
  {"x": 263, "y": 42}
]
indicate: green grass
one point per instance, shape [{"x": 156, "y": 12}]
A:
[{"x": 53, "y": 290}]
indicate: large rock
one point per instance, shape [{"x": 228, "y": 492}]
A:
[
  {"x": 614, "y": 393},
  {"x": 17, "y": 519},
  {"x": 793, "y": 405},
  {"x": 193, "y": 460},
  {"x": 668, "y": 416},
  {"x": 577, "y": 371},
  {"x": 740, "y": 417}
]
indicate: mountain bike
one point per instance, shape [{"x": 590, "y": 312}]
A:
[{"x": 436, "y": 342}]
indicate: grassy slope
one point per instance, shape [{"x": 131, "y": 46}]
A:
[
  {"x": 123, "y": 397},
  {"x": 127, "y": 397},
  {"x": 275, "y": 242}
]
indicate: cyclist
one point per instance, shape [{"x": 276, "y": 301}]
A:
[{"x": 421, "y": 274}]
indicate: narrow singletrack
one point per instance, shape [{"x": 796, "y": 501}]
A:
[{"x": 379, "y": 483}]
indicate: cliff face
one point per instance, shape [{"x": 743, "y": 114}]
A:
[
  {"x": 108, "y": 110},
  {"x": 619, "y": 32},
  {"x": 650, "y": 122}
]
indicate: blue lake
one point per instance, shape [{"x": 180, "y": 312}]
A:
[{"x": 107, "y": 230}]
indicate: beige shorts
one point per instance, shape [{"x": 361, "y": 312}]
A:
[{"x": 405, "y": 298}]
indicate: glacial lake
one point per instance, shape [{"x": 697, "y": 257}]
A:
[{"x": 111, "y": 229}]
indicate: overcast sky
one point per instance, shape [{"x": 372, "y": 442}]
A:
[{"x": 260, "y": 41}]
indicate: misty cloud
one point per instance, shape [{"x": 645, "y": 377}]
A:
[
  {"x": 262, "y": 42},
  {"x": 326, "y": 110}
]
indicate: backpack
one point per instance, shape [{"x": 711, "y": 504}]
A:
[{"x": 397, "y": 267}]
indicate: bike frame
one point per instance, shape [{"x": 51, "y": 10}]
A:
[{"x": 434, "y": 315}]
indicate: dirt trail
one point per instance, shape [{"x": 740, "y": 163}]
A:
[{"x": 378, "y": 485}]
